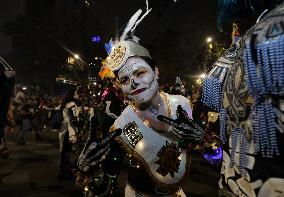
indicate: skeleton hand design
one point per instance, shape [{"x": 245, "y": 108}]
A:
[
  {"x": 183, "y": 127},
  {"x": 95, "y": 152}
]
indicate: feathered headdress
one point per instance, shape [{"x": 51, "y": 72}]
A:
[{"x": 126, "y": 45}]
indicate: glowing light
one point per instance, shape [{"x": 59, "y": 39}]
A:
[
  {"x": 210, "y": 46},
  {"x": 199, "y": 81},
  {"x": 209, "y": 39},
  {"x": 98, "y": 58},
  {"x": 146, "y": 122},
  {"x": 24, "y": 88},
  {"x": 96, "y": 38},
  {"x": 87, "y": 3},
  {"x": 215, "y": 157},
  {"x": 86, "y": 189},
  {"x": 71, "y": 60},
  {"x": 202, "y": 76},
  {"x": 140, "y": 145},
  {"x": 76, "y": 56}
]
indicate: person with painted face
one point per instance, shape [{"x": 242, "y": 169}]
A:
[{"x": 153, "y": 123}]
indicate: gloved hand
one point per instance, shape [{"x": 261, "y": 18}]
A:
[
  {"x": 184, "y": 127},
  {"x": 95, "y": 152}
]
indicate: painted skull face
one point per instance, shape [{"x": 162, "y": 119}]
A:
[{"x": 138, "y": 80}]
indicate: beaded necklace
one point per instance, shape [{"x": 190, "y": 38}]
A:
[{"x": 146, "y": 122}]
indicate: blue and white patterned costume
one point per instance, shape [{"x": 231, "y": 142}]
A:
[{"x": 248, "y": 92}]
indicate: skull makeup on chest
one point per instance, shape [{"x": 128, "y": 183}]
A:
[{"x": 138, "y": 80}]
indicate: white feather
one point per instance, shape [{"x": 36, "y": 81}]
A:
[
  {"x": 135, "y": 39},
  {"x": 141, "y": 18},
  {"x": 130, "y": 24}
]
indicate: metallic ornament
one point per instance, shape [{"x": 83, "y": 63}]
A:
[
  {"x": 132, "y": 133},
  {"x": 168, "y": 159}
]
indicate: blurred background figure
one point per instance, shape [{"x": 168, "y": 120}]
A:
[
  {"x": 7, "y": 82},
  {"x": 70, "y": 131},
  {"x": 28, "y": 115}
]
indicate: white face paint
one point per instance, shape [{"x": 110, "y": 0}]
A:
[{"x": 138, "y": 81}]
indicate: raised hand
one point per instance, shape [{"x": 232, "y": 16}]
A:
[
  {"x": 184, "y": 127},
  {"x": 95, "y": 152}
]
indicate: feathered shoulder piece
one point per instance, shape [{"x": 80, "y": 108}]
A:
[{"x": 127, "y": 45}]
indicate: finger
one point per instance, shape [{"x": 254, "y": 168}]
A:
[
  {"x": 181, "y": 113},
  {"x": 167, "y": 120},
  {"x": 111, "y": 136},
  {"x": 97, "y": 156},
  {"x": 99, "y": 160},
  {"x": 177, "y": 134},
  {"x": 92, "y": 151},
  {"x": 182, "y": 135},
  {"x": 102, "y": 151},
  {"x": 96, "y": 152}
]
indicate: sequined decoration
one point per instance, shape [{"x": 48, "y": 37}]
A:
[
  {"x": 168, "y": 159},
  {"x": 264, "y": 80},
  {"x": 212, "y": 93},
  {"x": 211, "y": 90},
  {"x": 132, "y": 133},
  {"x": 223, "y": 125},
  {"x": 116, "y": 56},
  {"x": 239, "y": 134}
]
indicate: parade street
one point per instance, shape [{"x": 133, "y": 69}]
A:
[{"x": 32, "y": 170}]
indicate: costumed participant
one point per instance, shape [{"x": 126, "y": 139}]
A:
[
  {"x": 7, "y": 82},
  {"x": 246, "y": 87},
  {"x": 99, "y": 163},
  {"x": 158, "y": 165},
  {"x": 69, "y": 131}
]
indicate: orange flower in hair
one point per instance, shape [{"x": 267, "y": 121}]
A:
[{"x": 105, "y": 72}]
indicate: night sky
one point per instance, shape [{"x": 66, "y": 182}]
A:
[
  {"x": 174, "y": 32},
  {"x": 9, "y": 9}
]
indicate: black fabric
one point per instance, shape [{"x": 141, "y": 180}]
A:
[
  {"x": 65, "y": 163},
  {"x": 139, "y": 180},
  {"x": 100, "y": 125},
  {"x": 6, "y": 90},
  {"x": 26, "y": 113}
]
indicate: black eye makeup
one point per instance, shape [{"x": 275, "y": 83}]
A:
[
  {"x": 140, "y": 72},
  {"x": 123, "y": 80}
]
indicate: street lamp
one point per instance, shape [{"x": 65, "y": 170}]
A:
[
  {"x": 76, "y": 56},
  {"x": 209, "y": 39}
]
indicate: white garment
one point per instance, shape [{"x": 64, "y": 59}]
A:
[{"x": 151, "y": 142}]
